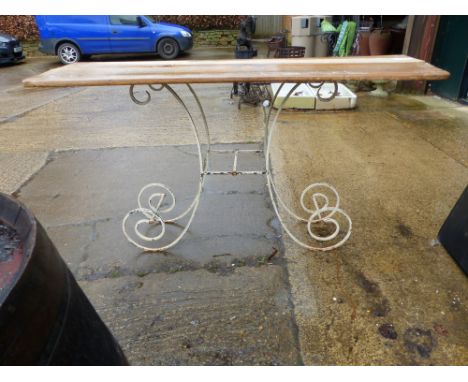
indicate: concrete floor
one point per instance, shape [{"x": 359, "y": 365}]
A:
[
  {"x": 400, "y": 165},
  {"x": 235, "y": 291}
]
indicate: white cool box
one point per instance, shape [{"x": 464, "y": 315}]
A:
[{"x": 305, "y": 97}]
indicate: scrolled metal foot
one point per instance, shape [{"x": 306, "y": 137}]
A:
[
  {"x": 319, "y": 201},
  {"x": 155, "y": 203},
  {"x": 146, "y": 226},
  {"x": 321, "y": 204}
]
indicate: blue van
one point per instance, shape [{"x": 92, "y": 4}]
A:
[{"x": 72, "y": 38}]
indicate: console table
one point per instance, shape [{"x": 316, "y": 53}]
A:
[{"x": 145, "y": 226}]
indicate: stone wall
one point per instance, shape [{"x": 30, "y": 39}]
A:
[{"x": 216, "y": 38}]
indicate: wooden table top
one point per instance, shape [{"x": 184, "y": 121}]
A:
[{"x": 397, "y": 67}]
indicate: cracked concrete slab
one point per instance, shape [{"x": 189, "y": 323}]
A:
[
  {"x": 147, "y": 298},
  {"x": 200, "y": 318},
  {"x": 82, "y": 196}
]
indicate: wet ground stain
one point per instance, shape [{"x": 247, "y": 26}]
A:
[
  {"x": 419, "y": 341},
  {"x": 218, "y": 266},
  {"x": 421, "y": 115},
  {"x": 404, "y": 230},
  {"x": 380, "y": 306},
  {"x": 440, "y": 330},
  {"x": 388, "y": 331}
]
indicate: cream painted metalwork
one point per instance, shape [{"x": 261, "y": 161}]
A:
[{"x": 320, "y": 202}]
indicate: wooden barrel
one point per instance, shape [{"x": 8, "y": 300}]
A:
[{"x": 45, "y": 318}]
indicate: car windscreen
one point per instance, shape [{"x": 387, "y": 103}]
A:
[{"x": 151, "y": 18}]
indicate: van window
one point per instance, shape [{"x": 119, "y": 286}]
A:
[
  {"x": 124, "y": 20},
  {"x": 74, "y": 19}
]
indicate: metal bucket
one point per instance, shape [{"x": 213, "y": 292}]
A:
[{"x": 45, "y": 318}]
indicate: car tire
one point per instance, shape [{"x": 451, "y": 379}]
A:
[
  {"x": 168, "y": 48},
  {"x": 68, "y": 53}
]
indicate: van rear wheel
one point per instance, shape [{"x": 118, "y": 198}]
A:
[
  {"x": 68, "y": 53},
  {"x": 168, "y": 48}
]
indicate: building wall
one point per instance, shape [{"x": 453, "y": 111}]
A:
[
  {"x": 268, "y": 25},
  {"x": 451, "y": 54}
]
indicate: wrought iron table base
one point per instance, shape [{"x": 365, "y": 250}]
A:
[{"x": 156, "y": 202}]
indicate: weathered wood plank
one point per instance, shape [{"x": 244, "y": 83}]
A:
[{"x": 257, "y": 70}]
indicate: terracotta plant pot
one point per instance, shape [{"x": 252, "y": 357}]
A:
[
  {"x": 363, "y": 40},
  {"x": 380, "y": 41}
]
